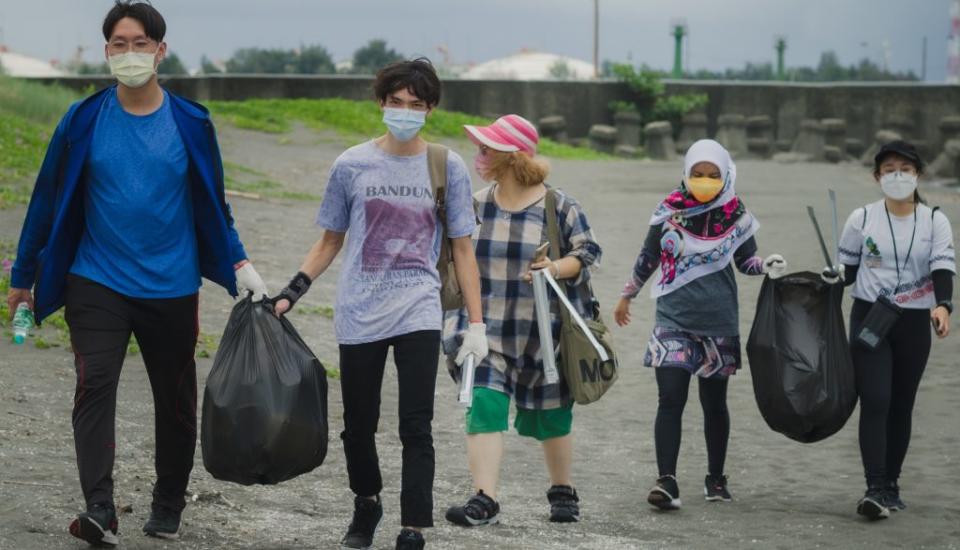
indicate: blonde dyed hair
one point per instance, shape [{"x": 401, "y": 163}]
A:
[{"x": 528, "y": 170}]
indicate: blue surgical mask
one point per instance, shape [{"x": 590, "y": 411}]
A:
[{"x": 404, "y": 123}]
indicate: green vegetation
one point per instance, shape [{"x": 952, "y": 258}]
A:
[
  {"x": 374, "y": 55},
  {"x": 650, "y": 98},
  {"x": 356, "y": 119},
  {"x": 829, "y": 69},
  {"x": 28, "y": 114},
  {"x": 323, "y": 311}
]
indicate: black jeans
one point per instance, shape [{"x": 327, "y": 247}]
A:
[
  {"x": 361, "y": 377},
  {"x": 673, "y": 384},
  {"x": 101, "y": 322},
  {"x": 887, "y": 382}
]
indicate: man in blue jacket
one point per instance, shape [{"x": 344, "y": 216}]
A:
[{"x": 128, "y": 213}]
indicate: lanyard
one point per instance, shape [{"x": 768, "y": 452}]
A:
[{"x": 893, "y": 237}]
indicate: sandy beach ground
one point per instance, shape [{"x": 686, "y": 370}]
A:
[{"x": 787, "y": 494}]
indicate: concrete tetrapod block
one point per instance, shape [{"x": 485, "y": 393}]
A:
[
  {"x": 945, "y": 165},
  {"x": 880, "y": 138},
  {"x": 949, "y": 128},
  {"x": 628, "y": 128},
  {"x": 603, "y": 138},
  {"x": 900, "y": 124},
  {"x": 810, "y": 140},
  {"x": 760, "y": 140},
  {"x": 553, "y": 127},
  {"x": 854, "y": 147},
  {"x": 834, "y": 132},
  {"x": 732, "y": 133},
  {"x": 833, "y": 154},
  {"x": 694, "y": 128},
  {"x": 627, "y": 151},
  {"x": 659, "y": 140}
]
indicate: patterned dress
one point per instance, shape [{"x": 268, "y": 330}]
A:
[{"x": 505, "y": 243}]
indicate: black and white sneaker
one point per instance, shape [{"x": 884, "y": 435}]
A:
[
  {"x": 366, "y": 518},
  {"x": 715, "y": 489},
  {"x": 892, "y": 498},
  {"x": 479, "y": 510},
  {"x": 98, "y": 525},
  {"x": 564, "y": 504},
  {"x": 408, "y": 539},
  {"x": 164, "y": 523},
  {"x": 665, "y": 495},
  {"x": 872, "y": 504}
]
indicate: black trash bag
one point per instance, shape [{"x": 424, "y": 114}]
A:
[
  {"x": 800, "y": 360},
  {"x": 265, "y": 403}
]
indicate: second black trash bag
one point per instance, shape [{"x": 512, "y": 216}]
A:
[
  {"x": 265, "y": 402},
  {"x": 800, "y": 361}
]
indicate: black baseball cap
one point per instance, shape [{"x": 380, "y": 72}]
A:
[{"x": 899, "y": 148}]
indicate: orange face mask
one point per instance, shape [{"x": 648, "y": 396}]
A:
[{"x": 704, "y": 189}]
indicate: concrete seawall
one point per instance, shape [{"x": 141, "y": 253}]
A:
[{"x": 914, "y": 108}]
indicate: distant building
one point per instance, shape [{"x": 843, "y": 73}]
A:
[
  {"x": 14, "y": 64},
  {"x": 530, "y": 65}
]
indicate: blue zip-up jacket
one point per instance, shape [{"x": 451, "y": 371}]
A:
[{"x": 55, "y": 217}]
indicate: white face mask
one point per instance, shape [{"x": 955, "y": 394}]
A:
[
  {"x": 897, "y": 185},
  {"x": 133, "y": 69}
]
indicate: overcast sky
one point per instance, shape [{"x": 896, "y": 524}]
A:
[{"x": 723, "y": 33}]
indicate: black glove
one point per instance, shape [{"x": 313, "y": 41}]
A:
[{"x": 295, "y": 289}]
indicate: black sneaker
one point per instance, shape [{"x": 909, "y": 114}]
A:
[
  {"x": 164, "y": 523},
  {"x": 715, "y": 489},
  {"x": 665, "y": 495},
  {"x": 366, "y": 518},
  {"x": 872, "y": 504},
  {"x": 564, "y": 504},
  {"x": 98, "y": 525},
  {"x": 479, "y": 510},
  {"x": 892, "y": 497},
  {"x": 408, "y": 539}
]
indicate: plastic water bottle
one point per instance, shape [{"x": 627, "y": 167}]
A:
[{"x": 22, "y": 322}]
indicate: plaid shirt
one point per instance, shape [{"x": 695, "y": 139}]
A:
[{"x": 505, "y": 245}]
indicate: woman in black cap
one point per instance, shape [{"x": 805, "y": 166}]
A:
[{"x": 898, "y": 254}]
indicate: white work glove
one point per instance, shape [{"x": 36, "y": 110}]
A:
[
  {"x": 833, "y": 275},
  {"x": 475, "y": 342},
  {"x": 249, "y": 279},
  {"x": 775, "y": 266}
]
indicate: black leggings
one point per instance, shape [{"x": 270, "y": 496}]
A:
[
  {"x": 673, "y": 383},
  {"x": 887, "y": 382},
  {"x": 361, "y": 376}
]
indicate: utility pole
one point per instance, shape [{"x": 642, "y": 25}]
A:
[
  {"x": 953, "y": 45},
  {"x": 596, "y": 38},
  {"x": 781, "y": 45},
  {"x": 679, "y": 27},
  {"x": 923, "y": 62}
]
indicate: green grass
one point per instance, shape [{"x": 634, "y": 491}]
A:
[
  {"x": 323, "y": 311},
  {"x": 357, "y": 118},
  {"x": 28, "y": 114},
  {"x": 263, "y": 187}
]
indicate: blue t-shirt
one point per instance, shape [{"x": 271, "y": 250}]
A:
[
  {"x": 139, "y": 238},
  {"x": 389, "y": 284}
]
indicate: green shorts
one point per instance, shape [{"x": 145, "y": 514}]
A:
[{"x": 491, "y": 410}]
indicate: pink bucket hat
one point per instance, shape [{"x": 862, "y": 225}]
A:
[{"x": 509, "y": 133}]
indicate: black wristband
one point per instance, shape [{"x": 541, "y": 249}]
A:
[
  {"x": 948, "y": 305},
  {"x": 295, "y": 289}
]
